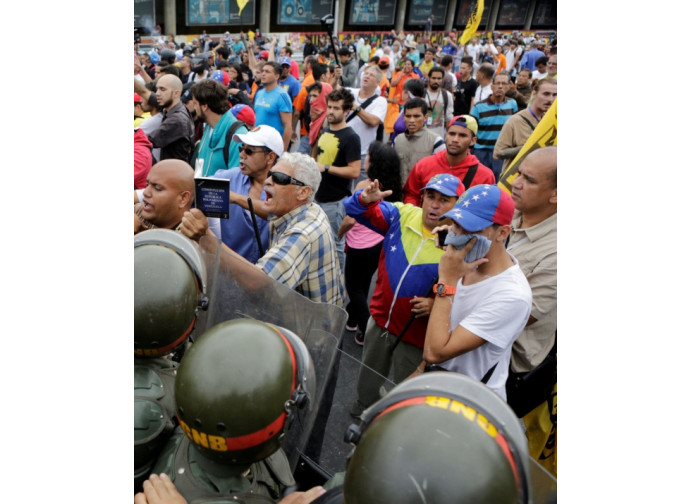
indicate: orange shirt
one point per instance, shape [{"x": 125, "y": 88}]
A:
[
  {"x": 385, "y": 85},
  {"x": 301, "y": 99},
  {"x": 501, "y": 63}
]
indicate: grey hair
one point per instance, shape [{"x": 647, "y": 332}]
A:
[
  {"x": 305, "y": 169},
  {"x": 378, "y": 71}
]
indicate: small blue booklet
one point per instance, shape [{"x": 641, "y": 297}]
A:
[{"x": 212, "y": 196}]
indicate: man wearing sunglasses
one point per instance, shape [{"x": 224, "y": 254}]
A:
[
  {"x": 258, "y": 152},
  {"x": 302, "y": 252}
]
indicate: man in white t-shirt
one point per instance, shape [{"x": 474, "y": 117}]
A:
[
  {"x": 472, "y": 50},
  {"x": 487, "y": 301},
  {"x": 485, "y": 76},
  {"x": 366, "y": 120}
]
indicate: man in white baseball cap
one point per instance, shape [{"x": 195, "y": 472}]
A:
[{"x": 259, "y": 149}]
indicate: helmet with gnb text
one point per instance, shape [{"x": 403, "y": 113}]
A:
[
  {"x": 237, "y": 388},
  {"x": 439, "y": 437}
]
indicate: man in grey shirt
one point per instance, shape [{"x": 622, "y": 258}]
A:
[{"x": 349, "y": 66}]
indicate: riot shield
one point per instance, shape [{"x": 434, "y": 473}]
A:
[{"x": 238, "y": 290}]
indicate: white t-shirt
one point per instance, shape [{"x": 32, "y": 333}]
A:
[
  {"x": 482, "y": 93},
  {"x": 473, "y": 51},
  {"x": 497, "y": 310},
  {"x": 366, "y": 133}
]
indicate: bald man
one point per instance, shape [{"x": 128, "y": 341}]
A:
[
  {"x": 533, "y": 242},
  {"x": 175, "y": 136},
  {"x": 169, "y": 193}
]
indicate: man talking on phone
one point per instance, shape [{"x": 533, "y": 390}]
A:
[{"x": 483, "y": 300}]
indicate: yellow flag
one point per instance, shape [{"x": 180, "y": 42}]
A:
[
  {"x": 544, "y": 134},
  {"x": 241, "y": 4},
  {"x": 472, "y": 22}
]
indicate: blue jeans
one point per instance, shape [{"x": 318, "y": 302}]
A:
[
  {"x": 335, "y": 211},
  {"x": 304, "y": 146}
]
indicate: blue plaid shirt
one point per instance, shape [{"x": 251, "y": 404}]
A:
[{"x": 303, "y": 255}]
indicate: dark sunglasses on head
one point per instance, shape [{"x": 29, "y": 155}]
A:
[
  {"x": 249, "y": 151},
  {"x": 281, "y": 178}
]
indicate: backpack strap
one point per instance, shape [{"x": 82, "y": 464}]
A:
[
  {"x": 469, "y": 176},
  {"x": 228, "y": 139}
]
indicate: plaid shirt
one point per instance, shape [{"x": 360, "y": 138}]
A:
[{"x": 303, "y": 255}]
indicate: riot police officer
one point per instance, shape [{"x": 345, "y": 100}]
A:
[
  {"x": 439, "y": 437},
  {"x": 169, "y": 286},
  {"x": 238, "y": 390}
]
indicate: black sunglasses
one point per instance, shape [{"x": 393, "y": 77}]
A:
[
  {"x": 281, "y": 178},
  {"x": 249, "y": 151}
]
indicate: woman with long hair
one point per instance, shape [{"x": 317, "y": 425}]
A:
[{"x": 363, "y": 246}]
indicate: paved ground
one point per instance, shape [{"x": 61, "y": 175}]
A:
[{"x": 335, "y": 450}]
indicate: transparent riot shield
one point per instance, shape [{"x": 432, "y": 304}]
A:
[
  {"x": 238, "y": 290},
  {"x": 334, "y": 452}
]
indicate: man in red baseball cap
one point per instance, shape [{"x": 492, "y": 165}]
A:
[{"x": 139, "y": 114}]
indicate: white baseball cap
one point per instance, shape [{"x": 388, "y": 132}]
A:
[{"x": 262, "y": 136}]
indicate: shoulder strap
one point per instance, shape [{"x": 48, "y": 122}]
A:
[
  {"x": 445, "y": 101},
  {"x": 488, "y": 374},
  {"x": 469, "y": 176},
  {"x": 228, "y": 139},
  {"x": 364, "y": 105},
  {"x": 528, "y": 122}
]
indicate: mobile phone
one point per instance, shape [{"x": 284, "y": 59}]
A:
[{"x": 442, "y": 237}]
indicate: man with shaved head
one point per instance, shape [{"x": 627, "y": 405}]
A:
[
  {"x": 533, "y": 242},
  {"x": 175, "y": 136},
  {"x": 169, "y": 193}
]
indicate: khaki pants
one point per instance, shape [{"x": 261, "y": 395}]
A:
[{"x": 377, "y": 356}]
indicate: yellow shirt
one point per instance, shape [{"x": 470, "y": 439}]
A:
[
  {"x": 139, "y": 120},
  {"x": 425, "y": 66}
]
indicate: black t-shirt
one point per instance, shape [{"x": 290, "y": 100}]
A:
[
  {"x": 462, "y": 96},
  {"x": 336, "y": 148}
]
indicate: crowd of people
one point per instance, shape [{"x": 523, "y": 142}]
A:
[{"x": 379, "y": 156}]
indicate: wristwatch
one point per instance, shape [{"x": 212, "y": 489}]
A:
[
  {"x": 326, "y": 168},
  {"x": 358, "y": 110},
  {"x": 441, "y": 289}
]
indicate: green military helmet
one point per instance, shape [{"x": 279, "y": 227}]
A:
[
  {"x": 439, "y": 437},
  {"x": 169, "y": 286},
  {"x": 237, "y": 387}
]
